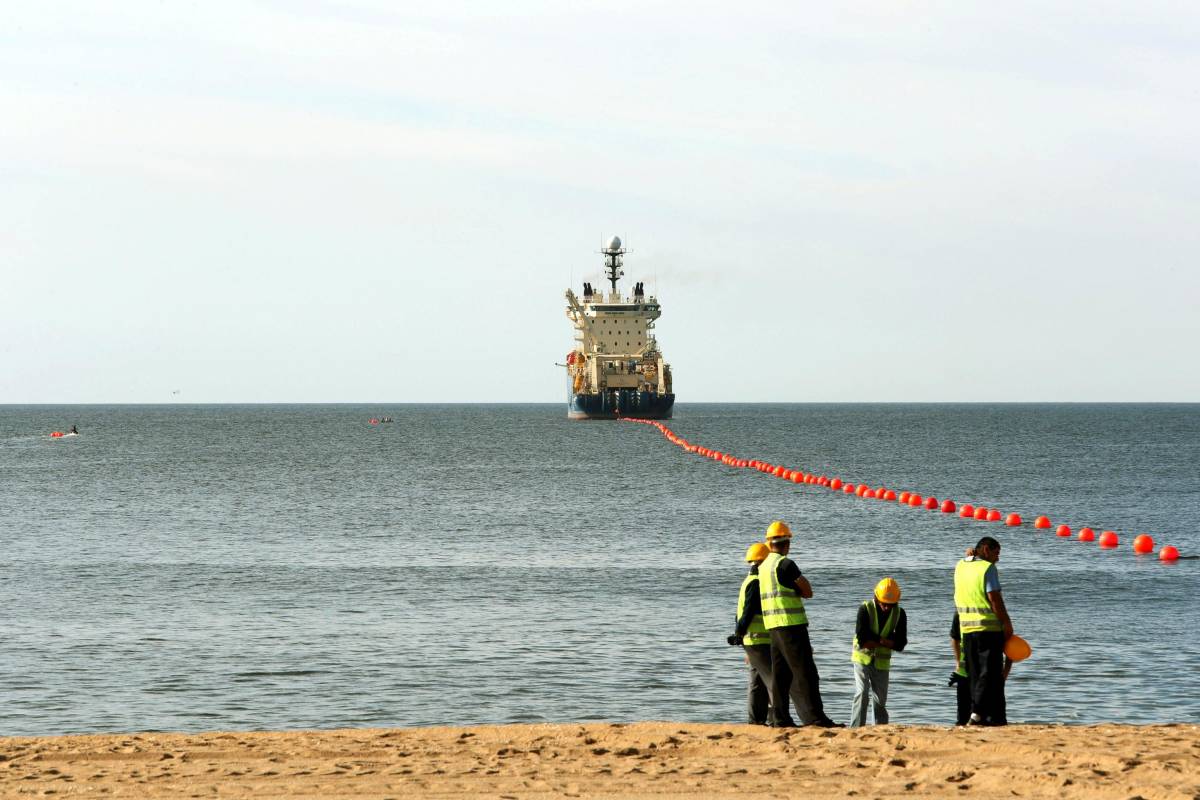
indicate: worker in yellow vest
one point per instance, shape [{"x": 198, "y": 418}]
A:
[
  {"x": 985, "y": 626},
  {"x": 751, "y": 633},
  {"x": 880, "y": 630},
  {"x": 783, "y": 590}
]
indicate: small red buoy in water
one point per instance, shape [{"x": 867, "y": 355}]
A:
[
  {"x": 798, "y": 477},
  {"x": 1012, "y": 520},
  {"x": 967, "y": 510},
  {"x": 868, "y": 495},
  {"x": 889, "y": 495},
  {"x": 1087, "y": 535},
  {"x": 1109, "y": 539},
  {"x": 904, "y": 496},
  {"x": 56, "y": 434},
  {"x": 1063, "y": 530},
  {"x": 1143, "y": 543},
  {"x": 914, "y": 500},
  {"x": 931, "y": 503},
  {"x": 861, "y": 490},
  {"x": 1042, "y": 522},
  {"x": 835, "y": 484},
  {"x": 848, "y": 488},
  {"x": 993, "y": 515},
  {"x": 948, "y": 507},
  {"x": 1168, "y": 553}
]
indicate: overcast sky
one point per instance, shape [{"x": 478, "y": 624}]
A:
[{"x": 303, "y": 201}]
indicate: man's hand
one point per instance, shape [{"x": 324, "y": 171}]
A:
[
  {"x": 733, "y": 640},
  {"x": 868, "y": 645},
  {"x": 885, "y": 643}
]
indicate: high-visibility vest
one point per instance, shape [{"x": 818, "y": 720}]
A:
[
  {"x": 970, "y": 598},
  {"x": 782, "y": 605},
  {"x": 882, "y": 656},
  {"x": 757, "y": 632}
]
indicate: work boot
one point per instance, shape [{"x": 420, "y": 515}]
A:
[{"x": 826, "y": 722}]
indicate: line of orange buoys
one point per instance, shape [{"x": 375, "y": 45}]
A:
[{"x": 1142, "y": 543}]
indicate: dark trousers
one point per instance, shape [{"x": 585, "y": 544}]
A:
[
  {"x": 794, "y": 674},
  {"x": 758, "y": 689},
  {"x": 963, "y": 687},
  {"x": 984, "y": 657}
]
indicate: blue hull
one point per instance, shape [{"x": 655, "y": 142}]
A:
[{"x": 620, "y": 403}]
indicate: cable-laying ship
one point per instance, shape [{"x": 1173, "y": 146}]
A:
[{"x": 616, "y": 368}]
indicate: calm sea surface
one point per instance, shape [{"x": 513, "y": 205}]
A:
[{"x": 216, "y": 567}]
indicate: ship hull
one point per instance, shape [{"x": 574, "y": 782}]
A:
[{"x": 620, "y": 403}]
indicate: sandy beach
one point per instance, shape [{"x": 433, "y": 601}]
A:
[{"x": 649, "y": 759}]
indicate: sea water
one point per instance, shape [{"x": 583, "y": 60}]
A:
[{"x": 279, "y": 567}]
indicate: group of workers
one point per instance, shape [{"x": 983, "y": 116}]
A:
[{"x": 772, "y": 628}]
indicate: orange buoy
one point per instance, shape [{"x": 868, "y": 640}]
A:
[
  {"x": 981, "y": 513},
  {"x": 904, "y": 496},
  {"x": 835, "y": 484},
  {"x": 1109, "y": 539},
  {"x": 1087, "y": 535},
  {"x": 1017, "y": 649},
  {"x": 1013, "y": 520},
  {"x": 889, "y": 495},
  {"x": 967, "y": 510},
  {"x": 848, "y": 488},
  {"x": 861, "y": 490},
  {"x": 56, "y": 434},
  {"x": 993, "y": 515},
  {"x": 1143, "y": 543},
  {"x": 914, "y": 500},
  {"x": 931, "y": 503},
  {"x": 948, "y": 507},
  {"x": 1168, "y": 553},
  {"x": 1041, "y": 522},
  {"x": 798, "y": 477},
  {"x": 868, "y": 495},
  {"x": 1063, "y": 530}
]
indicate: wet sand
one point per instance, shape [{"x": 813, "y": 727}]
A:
[{"x": 643, "y": 760}]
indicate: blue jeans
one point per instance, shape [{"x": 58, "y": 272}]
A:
[{"x": 869, "y": 680}]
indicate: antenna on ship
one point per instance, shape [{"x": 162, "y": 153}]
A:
[{"x": 613, "y": 253}]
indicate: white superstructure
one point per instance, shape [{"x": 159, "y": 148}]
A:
[{"x": 614, "y": 346}]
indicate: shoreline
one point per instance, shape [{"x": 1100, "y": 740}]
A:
[{"x": 627, "y": 760}]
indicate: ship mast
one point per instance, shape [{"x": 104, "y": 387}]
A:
[{"x": 614, "y": 254}]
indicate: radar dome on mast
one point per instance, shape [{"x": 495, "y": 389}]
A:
[{"x": 613, "y": 252}]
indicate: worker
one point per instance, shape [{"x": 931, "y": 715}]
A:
[
  {"x": 985, "y": 626},
  {"x": 880, "y": 630},
  {"x": 958, "y": 678},
  {"x": 782, "y": 590},
  {"x": 751, "y": 634}
]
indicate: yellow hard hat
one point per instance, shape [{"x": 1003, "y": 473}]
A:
[
  {"x": 779, "y": 530},
  {"x": 887, "y": 591},
  {"x": 757, "y": 552}
]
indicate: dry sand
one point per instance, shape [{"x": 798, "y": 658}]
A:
[{"x": 649, "y": 759}]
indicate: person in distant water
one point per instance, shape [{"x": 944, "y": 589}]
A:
[
  {"x": 73, "y": 430},
  {"x": 881, "y": 628},
  {"x": 782, "y": 590},
  {"x": 984, "y": 625},
  {"x": 751, "y": 634}
]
